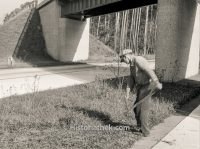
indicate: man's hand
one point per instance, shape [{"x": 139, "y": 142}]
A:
[{"x": 158, "y": 85}]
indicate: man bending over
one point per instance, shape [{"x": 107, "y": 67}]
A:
[{"x": 145, "y": 82}]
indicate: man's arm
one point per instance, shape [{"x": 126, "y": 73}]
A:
[{"x": 143, "y": 64}]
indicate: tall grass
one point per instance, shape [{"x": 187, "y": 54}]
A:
[{"x": 44, "y": 120}]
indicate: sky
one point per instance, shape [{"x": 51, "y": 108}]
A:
[{"x": 6, "y": 6}]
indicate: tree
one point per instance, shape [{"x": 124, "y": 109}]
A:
[
  {"x": 146, "y": 30},
  {"x": 134, "y": 29}
]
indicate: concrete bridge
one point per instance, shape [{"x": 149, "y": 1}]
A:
[
  {"x": 89, "y": 8},
  {"x": 66, "y": 31}
]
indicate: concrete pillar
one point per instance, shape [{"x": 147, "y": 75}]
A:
[
  {"x": 177, "y": 54},
  {"x": 66, "y": 40},
  {"x": 73, "y": 39}
]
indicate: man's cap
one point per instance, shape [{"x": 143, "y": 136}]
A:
[{"x": 126, "y": 51}]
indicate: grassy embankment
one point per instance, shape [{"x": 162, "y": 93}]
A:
[
  {"x": 9, "y": 35},
  {"x": 49, "y": 119}
]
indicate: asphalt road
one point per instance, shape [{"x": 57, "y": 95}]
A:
[{"x": 29, "y": 80}]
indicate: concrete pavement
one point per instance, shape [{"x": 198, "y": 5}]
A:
[
  {"x": 186, "y": 135},
  {"x": 180, "y": 131}
]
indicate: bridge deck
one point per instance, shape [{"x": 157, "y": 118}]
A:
[{"x": 90, "y": 8}]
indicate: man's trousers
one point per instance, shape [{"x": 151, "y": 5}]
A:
[{"x": 142, "y": 110}]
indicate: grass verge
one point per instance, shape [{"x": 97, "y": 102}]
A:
[{"x": 80, "y": 116}]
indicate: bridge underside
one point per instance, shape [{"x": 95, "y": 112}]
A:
[
  {"x": 89, "y": 8},
  {"x": 178, "y": 31}
]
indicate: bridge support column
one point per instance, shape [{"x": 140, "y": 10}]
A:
[
  {"x": 73, "y": 40},
  {"x": 67, "y": 40},
  {"x": 178, "y": 36}
]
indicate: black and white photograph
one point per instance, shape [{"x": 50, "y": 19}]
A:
[{"x": 99, "y": 74}]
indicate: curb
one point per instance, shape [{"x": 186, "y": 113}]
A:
[{"x": 161, "y": 130}]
